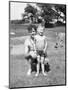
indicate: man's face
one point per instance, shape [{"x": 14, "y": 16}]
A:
[{"x": 33, "y": 32}]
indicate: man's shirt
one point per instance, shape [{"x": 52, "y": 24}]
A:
[{"x": 29, "y": 45}]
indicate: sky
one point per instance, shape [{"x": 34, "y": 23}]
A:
[{"x": 17, "y": 9}]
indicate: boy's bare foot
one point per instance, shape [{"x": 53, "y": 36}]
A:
[
  {"x": 36, "y": 74},
  {"x": 44, "y": 74}
]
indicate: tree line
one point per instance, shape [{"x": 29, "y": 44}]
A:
[{"x": 47, "y": 14}]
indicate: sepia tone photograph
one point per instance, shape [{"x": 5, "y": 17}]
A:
[{"x": 37, "y": 44}]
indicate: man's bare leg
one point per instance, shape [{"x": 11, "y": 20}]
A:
[{"x": 29, "y": 70}]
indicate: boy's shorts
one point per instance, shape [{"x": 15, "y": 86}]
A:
[{"x": 42, "y": 54}]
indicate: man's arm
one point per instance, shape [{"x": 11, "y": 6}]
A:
[{"x": 26, "y": 48}]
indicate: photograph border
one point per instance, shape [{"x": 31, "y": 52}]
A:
[{"x": 9, "y": 2}]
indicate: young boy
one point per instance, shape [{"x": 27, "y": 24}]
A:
[{"x": 41, "y": 46}]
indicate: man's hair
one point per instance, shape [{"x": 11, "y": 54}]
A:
[{"x": 32, "y": 26}]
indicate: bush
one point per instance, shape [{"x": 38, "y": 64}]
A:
[
  {"x": 49, "y": 25},
  {"x": 59, "y": 23}
]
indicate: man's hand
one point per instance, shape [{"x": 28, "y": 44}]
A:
[{"x": 33, "y": 54}]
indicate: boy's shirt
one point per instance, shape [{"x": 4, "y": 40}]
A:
[{"x": 40, "y": 42}]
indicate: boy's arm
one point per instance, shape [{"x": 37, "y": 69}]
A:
[{"x": 45, "y": 48}]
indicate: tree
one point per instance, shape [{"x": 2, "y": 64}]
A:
[
  {"x": 61, "y": 9},
  {"x": 47, "y": 12},
  {"x": 30, "y": 9},
  {"x": 52, "y": 11},
  {"x": 31, "y": 12}
]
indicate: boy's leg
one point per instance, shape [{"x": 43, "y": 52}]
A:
[
  {"x": 42, "y": 66},
  {"x": 38, "y": 65}
]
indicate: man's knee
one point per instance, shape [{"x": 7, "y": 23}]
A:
[{"x": 29, "y": 57}]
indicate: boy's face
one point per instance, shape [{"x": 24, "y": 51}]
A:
[{"x": 40, "y": 31}]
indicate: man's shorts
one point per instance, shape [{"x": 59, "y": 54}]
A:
[{"x": 32, "y": 60}]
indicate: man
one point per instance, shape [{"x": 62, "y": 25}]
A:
[{"x": 30, "y": 52}]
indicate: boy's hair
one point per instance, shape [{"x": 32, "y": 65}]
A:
[
  {"x": 32, "y": 26},
  {"x": 40, "y": 26}
]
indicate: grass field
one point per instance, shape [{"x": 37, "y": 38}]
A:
[{"x": 19, "y": 66}]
